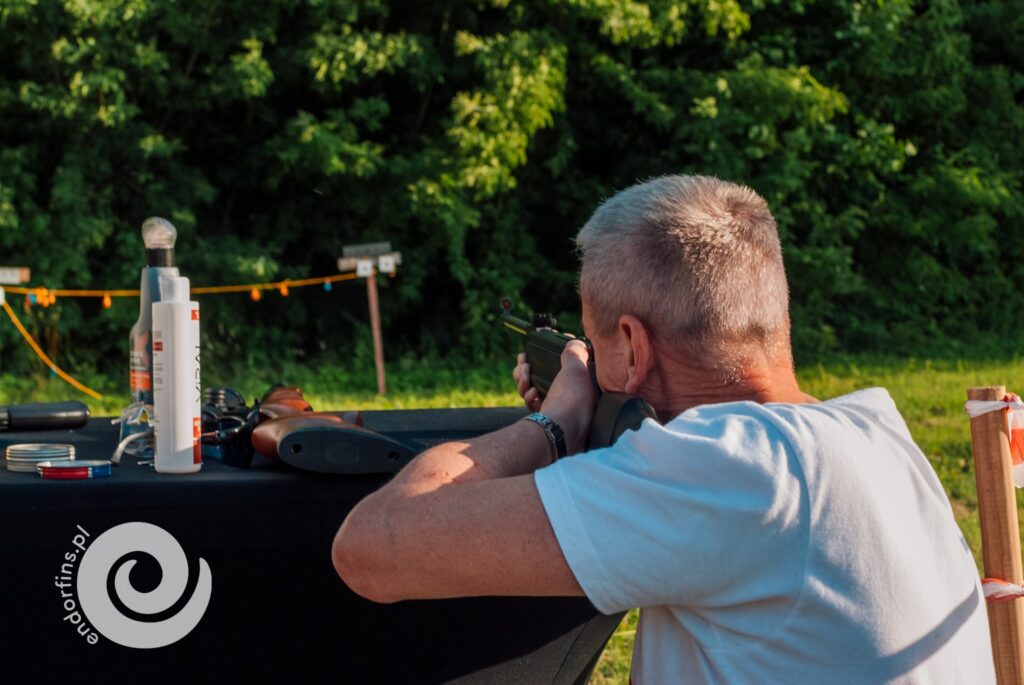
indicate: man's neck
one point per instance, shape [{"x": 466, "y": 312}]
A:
[{"x": 682, "y": 387}]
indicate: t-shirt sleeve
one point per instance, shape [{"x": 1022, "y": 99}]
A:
[{"x": 701, "y": 512}]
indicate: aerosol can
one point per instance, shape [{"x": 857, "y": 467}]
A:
[{"x": 159, "y": 236}]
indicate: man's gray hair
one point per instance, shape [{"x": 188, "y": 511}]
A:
[{"x": 698, "y": 260}]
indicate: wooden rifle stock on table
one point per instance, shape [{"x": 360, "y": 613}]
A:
[
  {"x": 291, "y": 431},
  {"x": 616, "y": 412}
]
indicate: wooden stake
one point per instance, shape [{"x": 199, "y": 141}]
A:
[
  {"x": 378, "y": 339},
  {"x": 1000, "y": 534}
]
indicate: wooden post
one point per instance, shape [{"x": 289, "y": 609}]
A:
[
  {"x": 13, "y": 275},
  {"x": 367, "y": 260},
  {"x": 1000, "y": 534},
  {"x": 378, "y": 338}
]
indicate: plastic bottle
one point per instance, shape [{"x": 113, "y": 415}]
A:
[
  {"x": 159, "y": 236},
  {"x": 177, "y": 392}
]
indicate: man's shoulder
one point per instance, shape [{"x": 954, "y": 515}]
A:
[
  {"x": 710, "y": 444},
  {"x": 869, "y": 401},
  {"x": 746, "y": 446},
  {"x": 776, "y": 440},
  {"x": 863, "y": 410}
]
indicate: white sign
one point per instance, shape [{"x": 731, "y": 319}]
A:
[
  {"x": 13, "y": 275},
  {"x": 351, "y": 263},
  {"x": 365, "y": 250},
  {"x": 364, "y": 268}
]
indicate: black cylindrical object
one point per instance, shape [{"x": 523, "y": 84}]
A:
[{"x": 43, "y": 416}]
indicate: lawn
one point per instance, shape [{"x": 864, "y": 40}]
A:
[{"x": 930, "y": 394}]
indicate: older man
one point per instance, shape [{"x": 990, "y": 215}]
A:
[{"x": 766, "y": 536}]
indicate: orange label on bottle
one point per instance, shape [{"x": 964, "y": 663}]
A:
[
  {"x": 195, "y": 315},
  {"x": 197, "y": 450},
  {"x": 139, "y": 380}
]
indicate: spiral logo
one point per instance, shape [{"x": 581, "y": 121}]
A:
[{"x": 108, "y": 553}]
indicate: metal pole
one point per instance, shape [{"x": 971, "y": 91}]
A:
[
  {"x": 378, "y": 340},
  {"x": 1000, "y": 534}
]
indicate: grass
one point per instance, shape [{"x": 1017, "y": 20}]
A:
[
  {"x": 930, "y": 394},
  {"x": 411, "y": 385}
]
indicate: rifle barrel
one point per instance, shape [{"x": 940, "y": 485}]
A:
[{"x": 516, "y": 324}]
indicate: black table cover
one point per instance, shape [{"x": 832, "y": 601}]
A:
[{"x": 277, "y": 610}]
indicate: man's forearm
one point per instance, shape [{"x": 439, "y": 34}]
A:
[
  {"x": 465, "y": 518},
  {"x": 515, "y": 450},
  {"x": 398, "y": 542}
]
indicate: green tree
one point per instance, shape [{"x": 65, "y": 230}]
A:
[{"x": 477, "y": 138}]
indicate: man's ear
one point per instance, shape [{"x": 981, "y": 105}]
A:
[{"x": 640, "y": 359}]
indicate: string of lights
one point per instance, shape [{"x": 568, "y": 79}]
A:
[{"x": 46, "y": 297}]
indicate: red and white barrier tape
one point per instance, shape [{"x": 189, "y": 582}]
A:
[
  {"x": 1014, "y": 408},
  {"x": 997, "y": 590}
]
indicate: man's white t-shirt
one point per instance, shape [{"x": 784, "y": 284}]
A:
[{"x": 775, "y": 543}]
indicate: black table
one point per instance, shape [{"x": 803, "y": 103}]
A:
[{"x": 277, "y": 611}]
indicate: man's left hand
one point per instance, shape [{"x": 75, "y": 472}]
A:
[{"x": 571, "y": 398}]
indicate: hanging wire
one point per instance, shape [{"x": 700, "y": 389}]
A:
[
  {"x": 49, "y": 296},
  {"x": 42, "y": 355},
  {"x": 46, "y": 297}
]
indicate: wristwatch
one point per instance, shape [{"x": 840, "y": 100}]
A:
[{"x": 556, "y": 438}]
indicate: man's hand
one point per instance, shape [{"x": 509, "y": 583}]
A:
[
  {"x": 521, "y": 374},
  {"x": 570, "y": 400}
]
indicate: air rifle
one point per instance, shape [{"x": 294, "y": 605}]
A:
[
  {"x": 283, "y": 426},
  {"x": 616, "y": 412}
]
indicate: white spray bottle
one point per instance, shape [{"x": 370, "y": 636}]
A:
[{"x": 177, "y": 392}]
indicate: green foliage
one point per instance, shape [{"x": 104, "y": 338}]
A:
[{"x": 477, "y": 138}]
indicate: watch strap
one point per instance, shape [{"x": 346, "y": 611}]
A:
[{"x": 553, "y": 431}]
